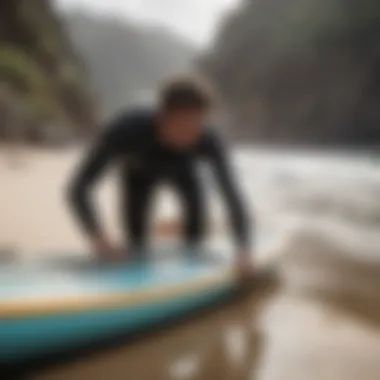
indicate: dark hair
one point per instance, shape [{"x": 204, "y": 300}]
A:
[{"x": 186, "y": 93}]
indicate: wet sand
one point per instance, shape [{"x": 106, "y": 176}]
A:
[
  {"x": 322, "y": 323},
  {"x": 222, "y": 345}
]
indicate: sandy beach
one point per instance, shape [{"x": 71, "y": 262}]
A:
[
  {"x": 322, "y": 323},
  {"x": 35, "y": 216}
]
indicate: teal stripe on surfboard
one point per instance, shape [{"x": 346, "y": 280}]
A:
[
  {"x": 158, "y": 292},
  {"x": 28, "y": 338}
]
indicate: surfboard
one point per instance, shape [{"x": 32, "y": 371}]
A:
[{"x": 45, "y": 310}]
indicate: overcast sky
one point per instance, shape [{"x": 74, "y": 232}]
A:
[{"x": 194, "y": 19}]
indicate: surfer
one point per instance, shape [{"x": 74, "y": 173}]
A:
[{"x": 156, "y": 145}]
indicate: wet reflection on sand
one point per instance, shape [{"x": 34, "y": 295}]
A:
[
  {"x": 321, "y": 322},
  {"x": 222, "y": 345}
]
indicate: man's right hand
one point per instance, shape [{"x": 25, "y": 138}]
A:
[
  {"x": 244, "y": 266},
  {"x": 105, "y": 250}
]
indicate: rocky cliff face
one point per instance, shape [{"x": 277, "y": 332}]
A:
[
  {"x": 301, "y": 71},
  {"x": 41, "y": 72}
]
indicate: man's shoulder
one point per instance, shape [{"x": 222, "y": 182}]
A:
[
  {"x": 212, "y": 135},
  {"x": 213, "y": 143},
  {"x": 136, "y": 116},
  {"x": 131, "y": 121}
]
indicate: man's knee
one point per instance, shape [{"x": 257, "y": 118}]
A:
[{"x": 195, "y": 225}]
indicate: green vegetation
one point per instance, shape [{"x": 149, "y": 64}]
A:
[
  {"x": 38, "y": 62},
  {"x": 17, "y": 67}
]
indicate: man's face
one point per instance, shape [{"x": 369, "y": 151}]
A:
[{"x": 182, "y": 128}]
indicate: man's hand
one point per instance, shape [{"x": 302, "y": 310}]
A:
[
  {"x": 244, "y": 265},
  {"x": 105, "y": 250}
]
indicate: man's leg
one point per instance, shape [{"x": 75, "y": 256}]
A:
[
  {"x": 190, "y": 192},
  {"x": 138, "y": 197}
]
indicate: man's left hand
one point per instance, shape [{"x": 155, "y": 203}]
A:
[{"x": 244, "y": 266}]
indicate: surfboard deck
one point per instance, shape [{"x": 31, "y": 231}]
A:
[{"x": 45, "y": 309}]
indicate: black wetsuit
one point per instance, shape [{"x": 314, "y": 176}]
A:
[{"x": 131, "y": 142}]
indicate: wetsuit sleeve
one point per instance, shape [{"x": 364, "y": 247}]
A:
[
  {"x": 238, "y": 210},
  {"x": 103, "y": 152}
]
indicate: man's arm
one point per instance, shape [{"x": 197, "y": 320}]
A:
[
  {"x": 238, "y": 211},
  {"x": 90, "y": 170}
]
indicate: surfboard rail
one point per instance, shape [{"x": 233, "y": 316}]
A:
[{"x": 24, "y": 308}]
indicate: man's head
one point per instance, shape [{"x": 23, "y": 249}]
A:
[{"x": 185, "y": 105}]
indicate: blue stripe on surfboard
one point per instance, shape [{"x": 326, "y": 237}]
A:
[{"x": 31, "y": 337}]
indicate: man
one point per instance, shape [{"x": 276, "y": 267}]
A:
[{"x": 154, "y": 146}]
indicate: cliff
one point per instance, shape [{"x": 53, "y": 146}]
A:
[
  {"x": 300, "y": 71},
  {"x": 41, "y": 75}
]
